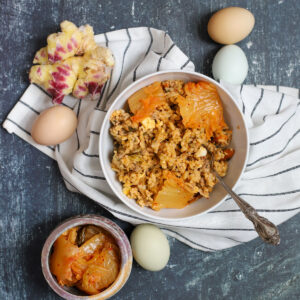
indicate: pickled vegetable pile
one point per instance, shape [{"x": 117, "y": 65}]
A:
[
  {"x": 162, "y": 147},
  {"x": 86, "y": 257}
]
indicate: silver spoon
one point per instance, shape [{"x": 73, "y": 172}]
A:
[{"x": 266, "y": 230}]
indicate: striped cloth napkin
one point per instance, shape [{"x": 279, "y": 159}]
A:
[{"x": 270, "y": 182}]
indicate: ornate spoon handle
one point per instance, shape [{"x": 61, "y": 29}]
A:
[{"x": 265, "y": 229}]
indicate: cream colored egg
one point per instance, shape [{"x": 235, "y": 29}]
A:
[
  {"x": 150, "y": 247},
  {"x": 54, "y": 125},
  {"x": 230, "y": 25}
]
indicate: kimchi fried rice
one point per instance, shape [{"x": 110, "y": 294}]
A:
[{"x": 163, "y": 144}]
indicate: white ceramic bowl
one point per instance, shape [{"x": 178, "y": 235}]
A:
[{"x": 234, "y": 119}]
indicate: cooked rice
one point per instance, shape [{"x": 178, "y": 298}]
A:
[{"x": 144, "y": 151}]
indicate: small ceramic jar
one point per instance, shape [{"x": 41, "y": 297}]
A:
[{"x": 71, "y": 293}]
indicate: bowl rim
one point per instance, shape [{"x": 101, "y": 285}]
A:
[
  {"x": 108, "y": 225},
  {"x": 106, "y": 119}
]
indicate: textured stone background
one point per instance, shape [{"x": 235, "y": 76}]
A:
[{"x": 33, "y": 198}]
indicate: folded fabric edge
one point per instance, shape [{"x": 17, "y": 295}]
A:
[
  {"x": 115, "y": 32},
  {"x": 186, "y": 241},
  {"x": 290, "y": 91}
]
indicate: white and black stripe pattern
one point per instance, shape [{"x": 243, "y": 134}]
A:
[
  {"x": 185, "y": 64},
  {"x": 164, "y": 56},
  {"x": 147, "y": 51},
  {"x": 122, "y": 66},
  {"x": 103, "y": 91},
  {"x": 270, "y": 182}
]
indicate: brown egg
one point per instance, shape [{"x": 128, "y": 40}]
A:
[
  {"x": 230, "y": 25},
  {"x": 54, "y": 125}
]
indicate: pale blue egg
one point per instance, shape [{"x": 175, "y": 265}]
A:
[{"x": 230, "y": 64}]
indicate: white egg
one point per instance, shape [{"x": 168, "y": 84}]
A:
[
  {"x": 150, "y": 247},
  {"x": 230, "y": 64}
]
